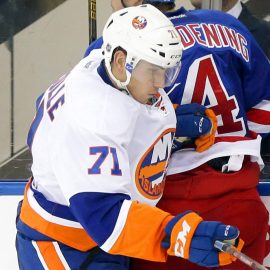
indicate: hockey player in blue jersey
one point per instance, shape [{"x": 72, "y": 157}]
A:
[
  {"x": 101, "y": 141},
  {"x": 224, "y": 69},
  {"x": 233, "y": 62}
]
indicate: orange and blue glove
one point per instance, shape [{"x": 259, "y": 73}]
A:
[
  {"x": 197, "y": 124},
  {"x": 205, "y": 141},
  {"x": 191, "y": 238}
]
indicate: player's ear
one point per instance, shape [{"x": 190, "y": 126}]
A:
[
  {"x": 118, "y": 65},
  {"x": 120, "y": 60}
]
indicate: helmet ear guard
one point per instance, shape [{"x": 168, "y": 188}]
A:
[
  {"x": 145, "y": 34},
  {"x": 108, "y": 61}
]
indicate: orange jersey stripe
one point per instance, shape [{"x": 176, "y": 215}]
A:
[
  {"x": 142, "y": 234},
  {"x": 50, "y": 256},
  {"x": 73, "y": 237}
]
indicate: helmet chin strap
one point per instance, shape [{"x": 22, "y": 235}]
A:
[{"x": 120, "y": 85}]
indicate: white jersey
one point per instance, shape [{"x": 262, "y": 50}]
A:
[
  {"x": 188, "y": 159},
  {"x": 96, "y": 151}
]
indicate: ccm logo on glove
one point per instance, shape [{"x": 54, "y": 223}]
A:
[
  {"x": 181, "y": 240},
  {"x": 181, "y": 233},
  {"x": 190, "y": 237}
]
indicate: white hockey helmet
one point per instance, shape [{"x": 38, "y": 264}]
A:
[{"x": 146, "y": 34}]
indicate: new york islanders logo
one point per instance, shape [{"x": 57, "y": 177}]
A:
[
  {"x": 139, "y": 22},
  {"x": 152, "y": 167}
]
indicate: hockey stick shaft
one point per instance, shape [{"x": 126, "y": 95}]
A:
[
  {"x": 230, "y": 249},
  {"x": 92, "y": 13}
]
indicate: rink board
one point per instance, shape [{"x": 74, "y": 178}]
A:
[{"x": 12, "y": 191}]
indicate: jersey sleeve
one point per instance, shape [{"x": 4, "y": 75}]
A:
[
  {"x": 94, "y": 45},
  {"x": 91, "y": 163},
  {"x": 257, "y": 90}
]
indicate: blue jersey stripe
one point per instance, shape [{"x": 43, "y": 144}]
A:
[
  {"x": 97, "y": 212},
  {"x": 53, "y": 208}
]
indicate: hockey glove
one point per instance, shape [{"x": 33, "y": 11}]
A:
[
  {"x": 195, "y": 122},
  {"x": 189, "y": 237},
  {"x": 206, "y": 141}
]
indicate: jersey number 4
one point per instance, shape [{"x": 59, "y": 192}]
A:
[{"x": 208, "y": 89}]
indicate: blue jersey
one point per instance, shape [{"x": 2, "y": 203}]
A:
[
  {"x": 223, "y": 68},
  {"x": 94, "y": 45}
]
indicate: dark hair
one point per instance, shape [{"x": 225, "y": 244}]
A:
[{"x": 116, "y": 50}]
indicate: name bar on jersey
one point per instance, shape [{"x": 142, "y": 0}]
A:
[{"x": 213, "y": 36}]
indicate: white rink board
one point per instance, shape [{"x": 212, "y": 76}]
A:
[{"x": 8, "y": 209}]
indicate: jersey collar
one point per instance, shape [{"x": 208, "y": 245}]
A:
[{"x": 103, "y": 74}]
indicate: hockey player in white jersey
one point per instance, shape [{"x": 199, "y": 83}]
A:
[{"x": 100, "y": 141}]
